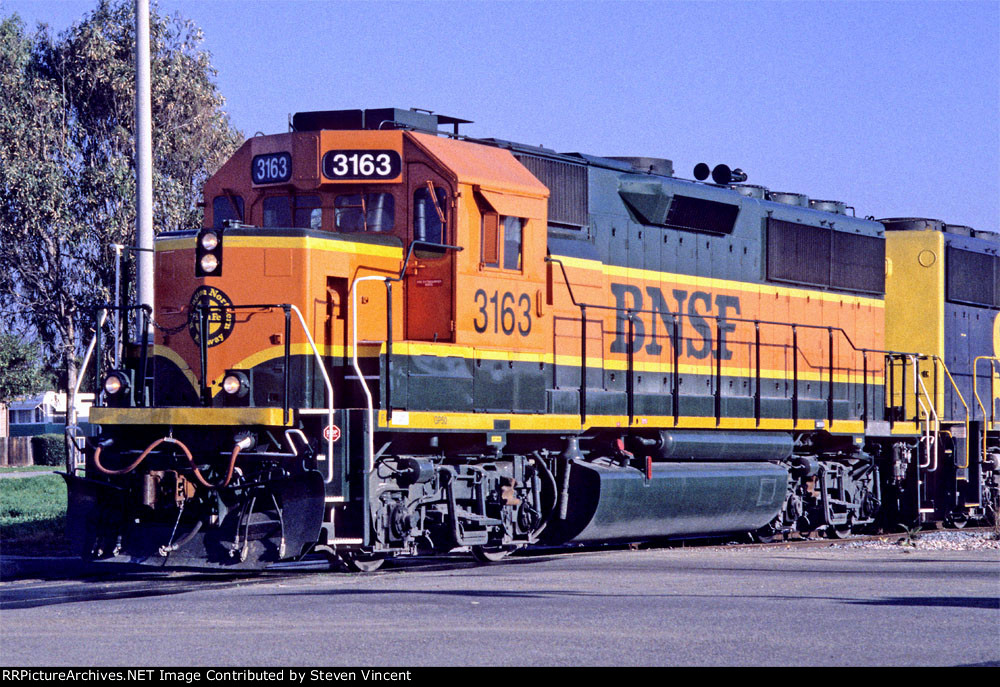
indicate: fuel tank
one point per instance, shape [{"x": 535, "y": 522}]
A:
[{"x": 608, "y": 503}]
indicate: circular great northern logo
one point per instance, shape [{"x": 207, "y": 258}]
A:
[{"x": 221, "y": 317}]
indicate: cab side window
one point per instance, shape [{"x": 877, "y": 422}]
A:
[
  {"x": 430, "y": 214},
  {"x": 512, "y": 242},
  {"x": 502, "y": 241}
]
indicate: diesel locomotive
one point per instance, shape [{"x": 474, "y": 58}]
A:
[{"x": 390, "y": 338}]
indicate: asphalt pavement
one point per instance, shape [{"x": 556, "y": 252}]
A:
[{"x": 661, "y": 607}]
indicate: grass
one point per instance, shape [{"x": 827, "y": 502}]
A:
[
  {"x": 33, "y": 516},
  {"x": 31, "y": 468}
]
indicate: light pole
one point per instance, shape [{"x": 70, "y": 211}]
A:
[{"x": 143, "y": 164}]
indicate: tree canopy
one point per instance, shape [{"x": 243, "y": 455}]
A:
[
  {"x": 67, "y": 159},
  {"x": 20, "y": 368}
]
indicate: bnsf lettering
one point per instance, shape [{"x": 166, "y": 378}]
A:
[{"x": 694, "y": 311}]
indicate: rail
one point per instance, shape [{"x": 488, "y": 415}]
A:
[
  {"x": 929, "y": 438},
  {"x": 72, "y": 431},
  {"x": 203, "y": 308},
  {"x": 628, "y": 314},
  {"x": 921, "y": 411},
  {"x": 993, "y": 392},
  {"x": 370, "y": 402},
  {"x": 72, "y": 426},
  {"x": 965, "y": 405}
]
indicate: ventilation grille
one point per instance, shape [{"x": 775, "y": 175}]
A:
[
  {"x": 973, "y": 278},
  {"x": 817, "y": 256},
  {"x": 567, "y": 184}
]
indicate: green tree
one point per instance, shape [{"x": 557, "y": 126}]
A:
[
  {"x": 20, "y": 368},
  {"x": 67, "y": 167}
]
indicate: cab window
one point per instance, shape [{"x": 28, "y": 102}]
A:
[
  {"x": 308, "y": 213},
  {"x": 226, "y": 208},
  {"x": 302, "y": 212},
  {"x": 278, "y": 211},
  {"x": 512, "y": 242},
  {"x": 429, "y": 214},
  {"x": 375, "y": 212},
  {"x": 502, "y": 241}
]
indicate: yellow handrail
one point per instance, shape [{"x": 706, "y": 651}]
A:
[
  {"x": 975, "y": 390},
  {"x": 964, "y": 405}
]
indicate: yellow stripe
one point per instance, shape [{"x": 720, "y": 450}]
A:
[
  {"x": 315, "y": 243},
  {"x": 188, "y": 416},
  {"x": 708, "y": 282},
  {"x": 173, "y": 244},
  {"x": 275, "y": 352},
  {"x": 563, "y": 423},
  {"x": 465, "y": 421},
  {"x": 905, "y": 428},
  {"x": 303, "y": 242}
]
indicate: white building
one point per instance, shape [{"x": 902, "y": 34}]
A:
[{"x": 45, "y": 413}]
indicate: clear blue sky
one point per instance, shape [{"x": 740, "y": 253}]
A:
[{"x": 892, "y": 107}]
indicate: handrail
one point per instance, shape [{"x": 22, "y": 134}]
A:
[
  {"x": 975, "y": 390},
  {"x": 965, "y": 405},
  {"x": 370, "y": 434},
  {"x": 929, "y": 412},
  {"x": 709, "y": 316},
  {"x": 71, "y": 424},
  {"x": 288, "y": 308},
  {"x": 628, "y": 313},
  {"x": 329, "y": 395}
]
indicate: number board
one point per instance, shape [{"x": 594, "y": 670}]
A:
[
  {"x": 272, "y": 168},
  {"x": 378, "y": 165}
]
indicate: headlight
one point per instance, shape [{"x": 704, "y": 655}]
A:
[
  {"x": 209, "y": 240},
  {"x": 209, "y": 263},
  {"x": 236, "y": 384},
  {"x": 208, "y": 253},
  {"x": 115, "y": 383}
]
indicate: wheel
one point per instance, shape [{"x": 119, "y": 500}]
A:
[
  {"x": 838, "y": 531},
  {"x": 492, "y": 554},
  {"x": 957, "y": 520},
  {"x": 766, "y": 535},
  {"x": 362, "y": 562}
]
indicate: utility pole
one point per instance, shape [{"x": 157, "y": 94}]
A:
[{"x": 143, "y": 165}]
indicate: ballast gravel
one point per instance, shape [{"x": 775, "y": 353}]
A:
[{"x": 929, "y": 541}]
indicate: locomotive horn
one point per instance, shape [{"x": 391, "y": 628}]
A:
[
  {"x": 701, "y": 171},
  {"x": 723, "y": 175}
]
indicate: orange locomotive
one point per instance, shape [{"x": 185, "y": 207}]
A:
[{"x": 386, "y": 340}]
